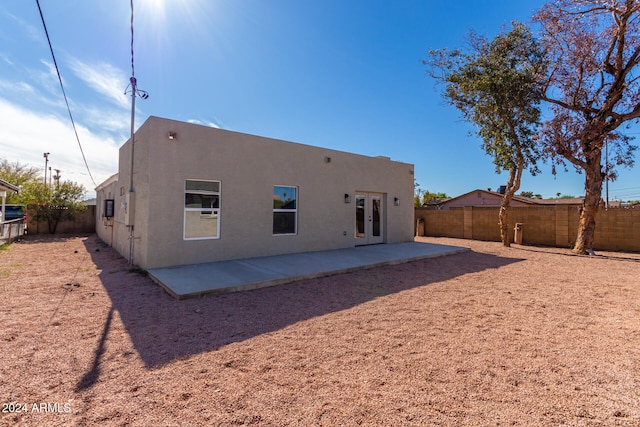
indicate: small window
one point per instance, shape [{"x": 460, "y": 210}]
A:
[
  {"x": 285, "y": 210},
  {"x": 201, "y": 210}
]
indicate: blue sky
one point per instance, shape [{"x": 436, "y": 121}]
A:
[{"x": 341, "y": 74}]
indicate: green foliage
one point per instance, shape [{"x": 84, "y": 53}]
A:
[
  {"x": 422, "y": 197},
  {"x": 17, "y": 174},
  {"x": 496, "y": 87},
  {"x": 531, "y": 195},
  {"x": 52, "y": 205}
]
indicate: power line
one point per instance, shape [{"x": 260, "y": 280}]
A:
[
  {"x": 73, "y": 124},
  {"x": 627, "y": 188}
]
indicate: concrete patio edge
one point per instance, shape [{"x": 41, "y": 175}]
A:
[{"x": 196, "y": 280}]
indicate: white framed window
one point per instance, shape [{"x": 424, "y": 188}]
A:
[
  {"x": 201, "y": 209},
  {"x": 285, "y": 210}
]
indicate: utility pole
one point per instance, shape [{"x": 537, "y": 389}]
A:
[
  {"x": 130, "y": 198},
  {"x": 57, "y": 177},
  {"x": 46, "y": 163},
  {"x": 50, "y": 174},
  {"x": 606, "y": 176}
]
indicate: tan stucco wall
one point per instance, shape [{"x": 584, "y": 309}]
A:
[
  {"x": 111, "y": 231},
  {"x": 248, "y": 167}
]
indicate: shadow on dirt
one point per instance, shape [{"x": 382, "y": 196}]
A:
[{"x": 163, "y": 329}]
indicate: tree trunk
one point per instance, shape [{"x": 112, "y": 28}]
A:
[
  {"x": 503, "y": 218},
  {"x": 53, "y": 218},
  {"x": 513, "y": 184},
  {"x": 593, "y": 195}
]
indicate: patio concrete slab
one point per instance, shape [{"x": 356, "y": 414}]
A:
[{"x": 187, "y": 281}]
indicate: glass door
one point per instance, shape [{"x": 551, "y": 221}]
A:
[
  {"x": 375, "y": 219},
  {"x": 369, "y": 218},
  {"x": 361, "y": 205}
]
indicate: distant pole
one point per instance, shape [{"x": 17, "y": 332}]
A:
[
  {"x": 50, "y": 175},
  {"x": 57, "y": 177},
  {"x": 46, "y": 163}
]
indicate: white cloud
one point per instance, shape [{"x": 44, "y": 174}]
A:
[
  {"x": 204, "y": 123},
  {"x": 6, "y": 59},
  {"x": 110, "y": 120},
  {"x": 46, "y": 79},
  {"x": 27, "y": 135},
  {"x": 21, "y": 88},
  {"x": 104, "y": 78},
  {"x": 32, "y": 31},
  {"x": 36, "y": 120}
]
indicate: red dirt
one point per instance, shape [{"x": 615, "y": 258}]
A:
[{"x": 495, "y": 336}]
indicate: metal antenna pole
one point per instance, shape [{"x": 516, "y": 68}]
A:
[
  {"x": 46, "y": 162},
  {"x": 133, "y": 118},
  {"x": 144, "y": 95}
]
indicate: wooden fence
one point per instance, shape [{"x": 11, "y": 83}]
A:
[
  {"x": 11, "y": 230},
  {"x": 616, "y": 229}
]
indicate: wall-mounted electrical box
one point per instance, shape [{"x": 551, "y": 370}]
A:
[{"x": 109, "y": 208}]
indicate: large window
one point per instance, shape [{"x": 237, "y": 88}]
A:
[
  {"x": 285, "y": 210},
  {"x": 201, "y": 209}
]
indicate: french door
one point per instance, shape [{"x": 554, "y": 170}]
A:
[{"x": 369, "y": 218}]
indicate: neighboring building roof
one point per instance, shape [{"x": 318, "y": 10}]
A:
[
  {"x": 5, "y": 186},
  {"x": 492, "y": 198},
  {"x": 108, "y": 181},
  {"x": 564, "y": 201},
  {"x": 436, "y": 202}
]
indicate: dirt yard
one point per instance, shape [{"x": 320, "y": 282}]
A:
[{"x": 522, "y": 336}]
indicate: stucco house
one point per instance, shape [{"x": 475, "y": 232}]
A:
[
  {"x": 200, "y": 194},
  {"x": 4, "y": 188},
  {"x": 10, "y": 227}
]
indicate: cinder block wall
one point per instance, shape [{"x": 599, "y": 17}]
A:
[
  {"x": 442, "y": 223},
  {"x": 616, "y": 229},
  {"x": 83, "y": 223}
]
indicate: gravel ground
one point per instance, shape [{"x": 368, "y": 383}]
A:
[{"x": 495, "y": 336}]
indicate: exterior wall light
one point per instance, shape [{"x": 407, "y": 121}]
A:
[
  {"x": 396, "y": 201},
  {"x": 347, "y": 198},
  {"x": 172, "y": 135}
]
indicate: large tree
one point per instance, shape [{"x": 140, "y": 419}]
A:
[
  {"x": 496, "y": 87},
  {"x": 53, "y": 205},
  {"x": 593, "y": 88},
  {"x": 17, "y": 174}
]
